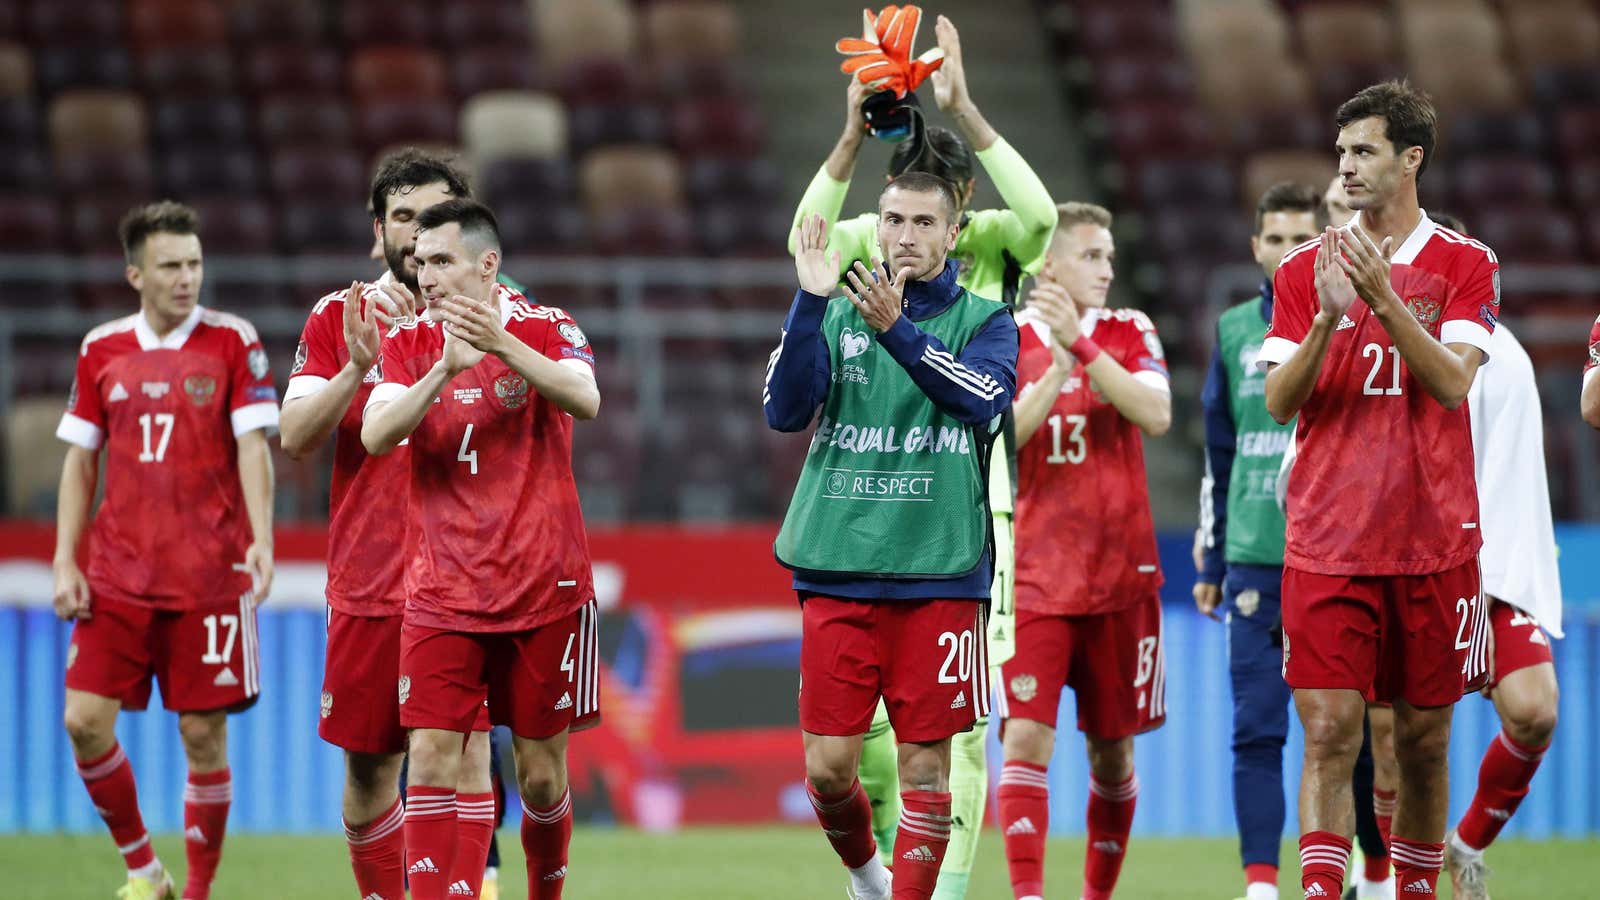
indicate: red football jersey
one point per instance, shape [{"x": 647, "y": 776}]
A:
[
  {"x": 1085, "y": 540},
  {"x": 1594, "y": 352},
  {"x": 367, "y": 503},
  {"x": 1383, "y": 481},
  {"x": 172, "y": 530},
  {"x": 496, "y": 540}
]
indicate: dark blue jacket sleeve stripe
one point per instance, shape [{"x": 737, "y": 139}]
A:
[{"x": 975, "y": 386}]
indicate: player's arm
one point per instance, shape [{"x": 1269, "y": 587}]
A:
[
  {"x": 799, "y": 371},
  {"x": 256, "y": 478},
  {"x": 825, "y": 195},
  {"x": 1221, "y": 439},
  {"x": 314, "y": 402},
  {"x": 1445, "y": 370},
  {"x": 1036, "y": 397},
  {"x": 79, "y": 473},
  {"x": 1589, "y": 401},
  {"x": 395, "y": 408},
  {"x": 1146, "y": 403},
  {"x": 950, "y": 90},
  {"x": 569, "y": 384},
  {"x": 1295, "y": 349}
]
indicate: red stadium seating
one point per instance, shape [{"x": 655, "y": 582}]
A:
[
  {"x": 717, "y": 127},
  {"x": 27, "y": 168},
  {"x": 400, "y": 120},
  {"x": 297, "y": 23},
  {"x": 1160, "y": 129},
  {"x": 191, "y": 72},
  {"x": 392, "y": 72},
  {"x": 201, "y": 123},
  {"x": 712, "y": 179},
  {"x": 599, "y": 124},
  {"x": 488, "y": 26},
  {"x": 62, "y": 68},
  {"x": 234, "y": 224},
  {"x": 30, "y": 223},
  {"x": 1513, "y": 180},
  {"x": 92, "y": 223},
  {"x": 476, "y": 73},
  {"x": 327, "y": 174},
  {"x": 736, "y": 227},
  {"x": 534, "y": 226},
  {"x": 1186, "y": 181},
  {"x": 643, "y": 231},
  {"x": 189, "y": 24},
  {"x": 326, "y": 224},
  {"x": 195, "y": 170},
  {"x": 1142, "y": 28},
  {"x": 86, "y": 24},
  {"x": 1134, "y": 79},
  {"x": 296, "y": 118},
  {"x": 96, "y": 172},
  {"x": 387, "y": 21},
  {"x": 98, "y": 121},
  {"x": 534, "y": 182},
  {"x": 19, "y": 122},
  {"x": 16, "y": 71},
  {"x": 288, "y": 68},
  {"x": 1528, "y": 234}
]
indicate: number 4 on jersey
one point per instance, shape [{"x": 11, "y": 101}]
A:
[{"x": 470, "y": 457}]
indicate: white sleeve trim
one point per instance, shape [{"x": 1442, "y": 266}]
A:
[
  {"x": 578, "y": 365},
  {"x": 80, "y": 432},
  {"x": 385, "y": 392},
  {"x": 1462, "y": 331},
  {"x": 1153, "y": 379},
  {"x": 1275, "y": 350},
  {"x": 255, "y": 416},
  {"x": 1589, "y": 376},
  {"x": 303, "y": 386}
]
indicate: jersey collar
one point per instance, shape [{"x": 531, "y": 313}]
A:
[
  {"x": 1406, "y": 253},
  {"x": 175, "y": 338}
]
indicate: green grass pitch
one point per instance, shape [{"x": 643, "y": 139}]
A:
[{"x": 769, "y": 863}]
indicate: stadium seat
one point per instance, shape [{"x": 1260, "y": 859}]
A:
[
  {"x": 326, "y": 224},
  {"x": 1559, "y": 86},
  {"x": 1561, "y": 35},
  {"x": 1578, "y": 132},
  {"x": 478, "y": 73},
  {"x": 713, "y": 179},
  {"x": 27, "y": 168},
  {"x": 533, "y": 226},
  {"x": 1473, "y": 134},
  {"x": 92, "y": 226},
  {"x": 63, "y": 68},
  {"x": 98, "y": 120},
  {"x": 19, "y": 122},
  {"x": 735, "y": 227},
  {"x": 391, "y": 21},
  {"x": 718, "y": 126},
  {"x": 100, "y": 171},
  {"x": 1264, "y": 170},
  {"x": 1528, "y": 234},
  {"x": 190, "y": 24},
  {"x": 296, "y": 118},
  {"x": 573, "y": 30},
  {"x": 210, "y": 122},
  {"x": 234, "y": 224},
  {"x": 1467, "y": 29},
  {"x": 198, "y": 169},
  {"x": 504, "y": 124},
  {"x": 286, "y": 23},
  {"x": 629, "y": 177},
  {"x": 83, "y": 24},
  {"x": 282, "y": 69},
  {"x": 1160, "y": 129},
  {"x": 1337, "y": 84},
  {"x": 1345, "y": 34},
  {"x": 503, "y": 25},
  {"x": 1245, "y": 86},
  {"x": 31, "y": 223},
  {"x": 1185, "y": 181},
  {"x": 691, "y": 31},
  {"x": 599, "y": 80},
  {"x": 1515, "y": 180},
  {"x": 593, "y": 125},
  {"x": 527, "y": 181},
  {"x": 1583, "y": 183},
  {"x": 1462, "y": 82},
  {"x": 1591, "y": 222},
  {"x": 191, "y": 72},
  {"x": 16, "y": 71},
  {"x": 1234, "y": 30},
  {"x": 315, "y": 172},
  {"x": 643, "y": 231},
  {"x": 11, "y": 21},
  {"x": 393, "y": 72},
  {"x": 1133, "y": 79},
  {"x": 1128, "y": 29}
]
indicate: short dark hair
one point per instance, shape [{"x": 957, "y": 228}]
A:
[
  {"x": 477, "y": 221},
  {"x": 936, "y": 151},
  {"x": 411, "y": 168},
  {"x": 1291, "y": 196},
  {"x": 925, "y": 183},
  {"x": 1408, "y": 115},
  {"x": 165, "y": 217}
]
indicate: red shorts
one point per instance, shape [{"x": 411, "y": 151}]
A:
[
  {"x": 925, "y": 658},
  {"x": 206, "y": 659},
  {"x": 359, "y": 708},
  {"x": 1519, "y": 641},
  {"x": 538, "y": 682},
  {"x": 1114, "y": 662},
  {"x": 1418, "y": 638}
]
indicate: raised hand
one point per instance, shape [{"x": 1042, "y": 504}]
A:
[
  {"x": 876, "y": 296},
  {"x": 473, "y": 321},
  {"x": 1335, "y": 294},
  {"x": 361, "y": 332},
  {"x": 950, "y": 79},
  {"x": 817, "y": 270},
  {"x": 1054, "y": 306},
  {"x": 459, "y": 355},
  {"x": 396, "y": 303},
  {"x": 1367, "y": 265}
]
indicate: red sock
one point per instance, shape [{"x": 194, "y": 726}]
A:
[
  {"x": 1383, "y": 803},
  {"x": 109, "y": 779},
  {"x": 1323, "y": 858},
  {"x": 1502, "y": 783},
  {"x": 1024, "y": 799},
  {"x": 546, "y": 834},
  {"x": 205, "y": 823},
  {"x": 919, "y": 843},
  {"x": 1110, "y": 820},
  {"x": 378, "y": 854},
  {"x": 847, "y": 821},
  {"x": 430, "y": 836},
  {"x": 474, "y": 827},
  {"x": 1375, "y": 868},
  {"x": 1260, "y": 873},
  {"x": 1416, "y": 867}
]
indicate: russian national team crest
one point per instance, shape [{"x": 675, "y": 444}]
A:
[
  {"x": 1024, "y": 687},
  {"x": 257, "y": 361},
  {"x": 1427, "y": 311},
  {"x": 327, "y": 704},
  {"x": 512, "y": 390},
  {"x": 200, "y": 388},
  {"x": 300, "y": 354},
  {"x": 405, "y": 689}
]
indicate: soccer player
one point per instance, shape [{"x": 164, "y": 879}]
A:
[
  {"x": 1378, "y": 329},
  {"x": 499, "y": 589},
  {"x": 1523, "y": 589},
  {"x": 180, "y": 553},
  {"x": 889, "y": 530},
  {"x": 1088, "y": 577},
  {"x": 994, "y": 249},
  {"x": 1590, "y": 400},
  {"x": 1339, "y": 211},
  {"x": 334, "y": 373},
  {"x": 1242, "y": 537}
]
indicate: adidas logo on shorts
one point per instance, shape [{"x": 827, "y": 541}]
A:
[
  {"x": 921, "y": 854},
  {"x": 226, "y": 678},
  {"x": 1023, "y": 825},
  {"x": 960, "y": 702},
  {"x": 565, "y": 702},
  {"x": 461, "y": 889},
  {"x": 1420, "y": 886},
  {"x": 423, "y": 865}
]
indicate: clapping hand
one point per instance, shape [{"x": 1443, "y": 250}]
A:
[
  {"x": 1335, "y": 294},
  {"x": 817, "y": 270},
  {"x": 876, "y": 297},
  {"x": 1366, "y": 265}
]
